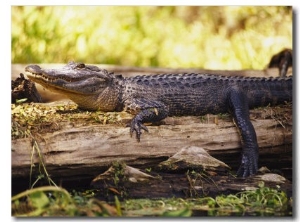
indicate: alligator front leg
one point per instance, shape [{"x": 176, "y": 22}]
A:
[
  {"x": 238, "y": 105},
  {"x": 148, "y": 112}
]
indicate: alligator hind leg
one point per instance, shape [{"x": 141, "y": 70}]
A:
[{"x": 239, "y": 109}]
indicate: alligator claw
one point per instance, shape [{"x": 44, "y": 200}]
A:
[
  {"x": 136, "y": 126},
  {"x": 249, "y": 165}
]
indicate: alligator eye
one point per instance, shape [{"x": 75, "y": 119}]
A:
[{"x": 80, "y": 65}]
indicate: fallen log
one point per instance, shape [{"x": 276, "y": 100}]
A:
[
  {"x": 189, "y": 173},
  {"x": 81, "y": 148}
]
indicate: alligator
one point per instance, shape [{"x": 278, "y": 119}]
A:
[
  {"x": 282, "y": 60},
  {"x": 151, "y": 98}
]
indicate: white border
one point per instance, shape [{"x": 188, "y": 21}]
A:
[{"x": 5, "y": 61}]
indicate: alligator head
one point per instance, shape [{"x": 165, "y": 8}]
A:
[{"x": 84, "y": 84}]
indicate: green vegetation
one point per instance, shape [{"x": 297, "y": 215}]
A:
[
  {"x": 263, "y": 201},
  {"x": 55, "y": 201},
  {"x": 229, "y": 37},
  {"x": 30, "y": 118}
]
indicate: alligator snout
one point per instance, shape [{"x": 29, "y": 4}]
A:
[{"x": 33, "y": 69}]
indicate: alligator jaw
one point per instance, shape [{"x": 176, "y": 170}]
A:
[
  {"x": 70, "y": 79},
  {"x": 84, "y": 84}
]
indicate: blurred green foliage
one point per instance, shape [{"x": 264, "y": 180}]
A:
[{"x": 225, "y": 37}]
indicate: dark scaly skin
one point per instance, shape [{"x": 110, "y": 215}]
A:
[
  {"x": 282, "y": 60},
  {"x": 154, "y": 97}
]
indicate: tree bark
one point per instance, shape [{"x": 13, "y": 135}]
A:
[{"x": 84, "y": 150}]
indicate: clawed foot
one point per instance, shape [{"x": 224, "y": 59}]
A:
[
  {"x": 137, "y": 126},
  {"x": 249, "y": 165}
]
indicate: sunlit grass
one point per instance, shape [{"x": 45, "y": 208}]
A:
[
  {"x": 204, "y": 37},
  {"x": 56, "y": 201}
]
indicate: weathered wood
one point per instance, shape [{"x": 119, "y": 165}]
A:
[
  {"x": 184, "y": 184},
  {"x": 22, "y": 88},
  {"x": 84, "y": 150}
]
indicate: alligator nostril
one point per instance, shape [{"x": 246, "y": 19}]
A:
[
  {"x": 80, "y": 65},
  {"x": 32, "y": 68}
]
